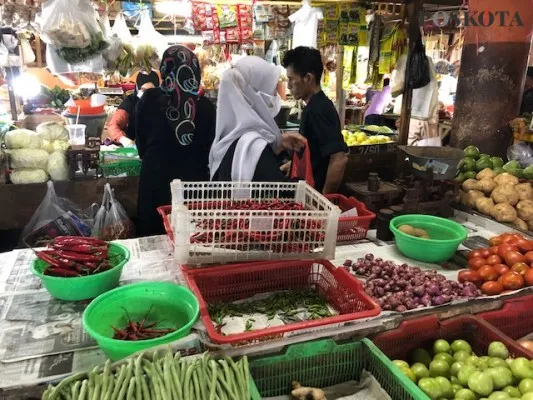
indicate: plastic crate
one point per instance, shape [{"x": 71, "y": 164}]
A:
[
  {"x": 324, "y": 363},
  {"x": 351, "y": 229},
  {"x": 237, "y": 282},
  {"x": 422, "y": 332},
  {"x": 514, "y": 319},
  {"x": 119, "y": 168},
  {"x": 201, "y": 210}
]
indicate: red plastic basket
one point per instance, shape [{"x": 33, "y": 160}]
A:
[
  {"x": 514, "y": 319},
  {"x": 422, "y": 332},
  {"x": 165, "y": 211},
  {"x": 351, "y": 229},
  {"x": 231, "y": 283}
]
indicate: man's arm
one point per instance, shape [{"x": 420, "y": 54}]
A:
[{"x": 337, "y": 164}]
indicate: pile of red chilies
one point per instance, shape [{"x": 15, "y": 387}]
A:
[
  {"x": 140, "y": 330},
  {"x": 72, "y": 256},
  {"x": 236, "y": 234}
]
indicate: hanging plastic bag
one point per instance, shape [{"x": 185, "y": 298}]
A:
[
  {"x": 114, "y": 51},
  {"x": 28, "y": 56},
  {"x": 121, "y": 29},
  {"x": 117, "y": 224},
  {"x": 397, "y": 80},
  {"x": 54, "y": 217},
  {"x": 419, "y": 75},
  {"x": 301, "y": 166},
  {"x": 147, "y": 40},
  {"x": 99, "y": 219},
  {"x": 522, "y": 153},
  {"x": 4, "y": 55}
]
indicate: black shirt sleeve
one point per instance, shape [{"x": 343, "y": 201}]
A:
[
  {"x": 326, "y": 126},
  {"x": 267, "y": 169}
]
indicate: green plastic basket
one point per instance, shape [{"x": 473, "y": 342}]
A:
[
  {"x": 324, "y": 363},
  {"x": 128, "y": 167},
  {"x": 84, "y": 287}
]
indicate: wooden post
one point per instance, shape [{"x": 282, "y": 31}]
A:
[
  {"x": 339, "y": 92},
  {"x": 413, "y": 12}
]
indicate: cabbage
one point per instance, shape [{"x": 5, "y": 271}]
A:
[
  {"x": 48, "y": 146},
  {"x": 60, "y": 145},
  {"x": 28, "y": 176},
  {"x": 23, "y": 139},
  {"x": 52, "y": 131},
  {"x": 57, "y": 166},
  {"x": 29, "y": 159}
]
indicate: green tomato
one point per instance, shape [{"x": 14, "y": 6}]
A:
[
  {"x": 445, "y": 386},
  {"x": 501, "y": 377},
  {"x": 460, "y": 178},
  {"x": 461, "y": 345},
  {"x": 527, "y": 396},
  {"x": 430, "y": 387},
  {"x": 497, "y": 362},
  {"x": 441, "y": 346},
  {"x": 480, "y": 383},
  {"x": 456, "y": 367},
  {"x": 420, "y": 370},
  {"x": 497, "y": 162},
  {"x": 498, "y": 350},
  {"x": 465, "y": 394},
  {"x": 408, "y": 373},
  {"x": 521, "y": 368},
  {"x": 400, "y": 364},
  {"x": 526, "y": 386},
  {"x": 483, "y": 155},
  {"x": 465, "y": 373},
  {"x": 456, "y": 387},
  {"x": 444, "y": 357},
  {"x": 483, "y": 163},
  {"x": 498, "y": 170},
  {"x": 421, "y": 356},
  {"x": 499, "y": 396},
  {"x": 439, "y": 368},
  {"x": 461, "y": 355},
  {"x": 512, "y": 391},
  {"x": 472, "y": 151},
  {"x": 470, "y": 175},
  {"x": 472, "y": 360},
  {"x": 528, "y": 172},
  {"x": 455, "y": 381}
]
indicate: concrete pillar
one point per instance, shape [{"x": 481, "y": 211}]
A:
[{"x": 492, "y": 74}]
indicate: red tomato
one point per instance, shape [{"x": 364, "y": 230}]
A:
[
  {"x": 469, "y": 276},
  {"x": 528, "y": 277},
  {"x": 529, "y": 257},
  {"x": 513, "y": 257},
  {"x": 500, "y": 280},
  {"x": 504, "y": 248},
  {"x": 494, "y": 259},
  {"x": 520, "y": 267},
  {"x": 476, "y": 263},
  {"x": 474, "y": 254},
  {"x": 510, "y": 237},
  {"x": 491, "y": 288},
  {"x": 495, "y": 241},
  {"x": 524, "y": 245},
  {"x": 494, "y": 250},
  {"x": 501, "y": 268},
  {"x": 512, "y": 281},
  {"x": 485, "y": 253},
  {"x": 488, "y": 273}
]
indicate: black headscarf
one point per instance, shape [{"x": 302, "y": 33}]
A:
[
  {"x": 129, "y": 103},
  {"x": 180, "y": 74}
]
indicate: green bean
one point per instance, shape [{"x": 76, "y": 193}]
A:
[
  {"x": 174, "y": 366},
  {"x": 138, "y": 377},
  {"x": 197, "y": 381},
  {"x": 166, "y": 393},
  {"x": 162, "y": 389},
  {"x": 158, "y": 393},
  {"x": 246, "y": 371},
  {"x": 220, "y": 391},
  {"x": 234, "y": 370},
  {"x": 110, "y": 387},
  {"x": 83, "y": 390},
  {"x": 131, "y": 388},
  {"x": 63, "y": 384},
  {"x": 228, "y": 379},
  {"x": 97, "y": 387},
  {"x": 183, "y": 372},
  {"x": 75, "y": 390},
  {"x": 119, "y": 381},
  {"x": 106, "y": 374},
  {"x": 213, "y": 388},
  {"x": 66, "y": 394},
  {"x": 227, "y": 387},
  {"x": 187, "y": 380},
  {"x": 126, "y": 382},
  {"x": 167, "y": 379}
]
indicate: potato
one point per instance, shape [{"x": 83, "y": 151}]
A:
[
  {"x": 470, "y": 184},
  {"x": 407, "y": 229},
  {"x": 486, "y": 186},
  {"x": 487, "y": 173},
  {"x": 506, "y": 178},
  {"x": 471, "y": 197},
  {"x": 525, "y": 210},
  {"x": 484, "y": 205},
  {"x": 504, "y": 213},
  {"x": 520, "y": 223},
  {"x": 530, "y": 225},
  {"x": 505, "y": 193},
  {"x": 525, "y": 191},
  {"x": 421, "y": 233}
]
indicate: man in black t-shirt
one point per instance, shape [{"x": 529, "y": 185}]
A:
[{"x": 320, "y": 122}]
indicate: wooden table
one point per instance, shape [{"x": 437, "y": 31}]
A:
[{"x": 19, "y": 202}]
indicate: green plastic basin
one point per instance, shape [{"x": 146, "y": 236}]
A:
[
  {"x": 446, "y": 236},
  {"x": 84, "y": 287},
  {"x": 168, "y": 304}
]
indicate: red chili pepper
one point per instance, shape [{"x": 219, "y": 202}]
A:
[
  {"x": 61, "y": 272},
  {"x": 47, "y": 258},
  {"x": 82, "y": 248},
  {"x": 76, "y": 240},
  {"x": 70, "y": 255}
]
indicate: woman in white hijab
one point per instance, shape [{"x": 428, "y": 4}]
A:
[{"x": 247, "y": 138}]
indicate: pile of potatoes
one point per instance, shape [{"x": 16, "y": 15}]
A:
[{"x": 500, "y": 196}]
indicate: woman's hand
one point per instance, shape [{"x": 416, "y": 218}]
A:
[{"x": 293, "y": 141}]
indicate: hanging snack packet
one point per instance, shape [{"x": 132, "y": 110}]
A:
[{"x": 227, "y": 15}]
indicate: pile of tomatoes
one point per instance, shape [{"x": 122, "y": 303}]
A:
[{"x": 505, "y": 266}]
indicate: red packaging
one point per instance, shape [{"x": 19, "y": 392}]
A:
[{"x": 232, "y": 35}]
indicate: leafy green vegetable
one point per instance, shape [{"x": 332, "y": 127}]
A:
[{"x": 74, "y": 55}]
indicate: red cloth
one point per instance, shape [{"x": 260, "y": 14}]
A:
[{"x": 301, "y": 167}]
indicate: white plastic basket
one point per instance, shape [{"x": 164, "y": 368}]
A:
[{"x": 207, "y": 230}]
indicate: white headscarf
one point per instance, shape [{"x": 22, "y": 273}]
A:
[{"x": 244, "y": 112}]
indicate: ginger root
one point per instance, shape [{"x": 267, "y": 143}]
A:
[{"x": 306, "y": 393}]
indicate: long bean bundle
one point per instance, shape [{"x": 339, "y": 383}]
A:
[{"x": 162, "y": 378}]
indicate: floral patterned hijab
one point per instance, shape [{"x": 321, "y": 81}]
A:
[{"x": 180, "y": 75}]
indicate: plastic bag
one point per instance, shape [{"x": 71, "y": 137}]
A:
[
  {"x": 149, "y": 37},
  {"x": 58, "y": 65},
  {"x": 397, "y": 79},
  {"x": 301, "y": 166},
  {"x": 521, "y": 152},
  {"x": 114, "y": 50},
  {"x": 120, "y": 29},
  {"x": 54, "y": 217},
  {"x": 419, "y": 75},
  {"x": 111, "y": 221},
  {"x": 57, "y": 166}
]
